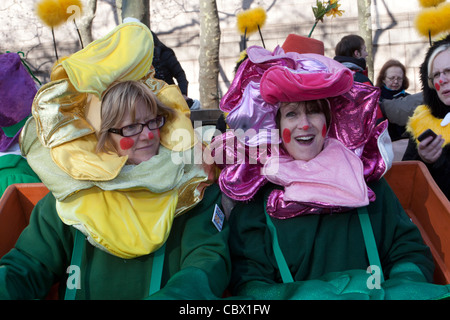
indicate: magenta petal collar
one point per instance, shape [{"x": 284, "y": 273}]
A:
[{"x": 335, "y": 178}]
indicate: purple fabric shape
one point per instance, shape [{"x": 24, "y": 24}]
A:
[
  {"x": 251, "y": 70},
  {"x": 254, "y": 119},
  {"x": 241, "y": 165},
  {"x": 17, "y": 91}
]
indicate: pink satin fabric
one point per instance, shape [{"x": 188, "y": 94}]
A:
[
  {"x": 315, "y": 77},
  {"x": 334, "y": 178}
]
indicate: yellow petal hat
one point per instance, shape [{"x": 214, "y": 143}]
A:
[{"x": 67, "y": 109}]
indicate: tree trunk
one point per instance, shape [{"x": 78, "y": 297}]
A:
[
  {"x": 365, "y": 29},
  {"x": 85, "y": 24},
  {"x": 139, "y": 9},
  {"x": 209, "y": 54}
]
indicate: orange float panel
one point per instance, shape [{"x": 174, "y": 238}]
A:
[
  {"x": 16, "y": 205},
  {"x": 427, "y": 207}
]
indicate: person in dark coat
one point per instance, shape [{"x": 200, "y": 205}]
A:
[
  {"x": 351, "y": 52},
  {"x": 393, "y": 82},
  {"x": 434, "y": 115},
  {"x": 168, "y": 68}
]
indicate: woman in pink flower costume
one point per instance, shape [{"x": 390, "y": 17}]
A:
[{"x": 303, "y": 162}]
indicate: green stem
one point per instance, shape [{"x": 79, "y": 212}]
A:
[
  {"x": 262, "y": 39},
  {"x": 314, "y": 26},
  {"x": 79, "y": 35},
  {"x": 54, "y": 44}
]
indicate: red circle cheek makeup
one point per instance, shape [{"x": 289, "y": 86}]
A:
[
  {"x": 126, "y": 143},
  {"x": 287, "y": 135},
  {"x": 437, "y": 86},
  {"x": 151, "y": 136},
  {"x": 324, "y": 131}
]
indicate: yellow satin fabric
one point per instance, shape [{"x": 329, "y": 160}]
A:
[
  {"x": 80, "y": 161},
  {"x": 93, "y": 69},
  {"x": 59, "y": 113},
  {"x": 127, "y": 224},
  {"x": 177, "y": 134}
]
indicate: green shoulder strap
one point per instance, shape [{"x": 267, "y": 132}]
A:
[
  {"x": 75, "y": 261},
  {"x": 369, "y": 239},
  {"x": 286, "y": 275},
  {"x": 157, "y": 269}
]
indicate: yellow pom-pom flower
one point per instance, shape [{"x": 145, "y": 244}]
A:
[
  {"x": 50, "y": 12},
  {"x": 54, "y": 12},
  {"x": 433, "y": 21},
  {"x": 65, "y": 4},
  {"x": 430, "y": 3},
  {"x": 248, "y": 21}
]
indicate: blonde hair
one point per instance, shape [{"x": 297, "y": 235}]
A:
[
  {"x": 433, "y": 56},
  {"x": 120, "y": 99}
]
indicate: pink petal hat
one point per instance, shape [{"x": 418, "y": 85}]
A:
[
  {"x": 266, "y": 79},
  {"x": 315, "y": 77}
]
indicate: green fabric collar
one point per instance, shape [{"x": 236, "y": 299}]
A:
[{"x": 9, "y": 161}]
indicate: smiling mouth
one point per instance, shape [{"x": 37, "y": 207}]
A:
[
  {"x": 146, "y": 147},
  {"x": 305, "y": 139}
]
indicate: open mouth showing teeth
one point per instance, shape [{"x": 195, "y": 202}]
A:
[{"x": 305, "y": 139}]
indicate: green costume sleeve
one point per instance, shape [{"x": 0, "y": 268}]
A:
[
  {"x": 30, "y": 269},
  {"x": 407, "y": 283},
  {"x": 205, "y": 262},
  {"x": 348, "y": 285}
]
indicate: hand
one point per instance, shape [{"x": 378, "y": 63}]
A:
[{"x": 430, "y": 149}]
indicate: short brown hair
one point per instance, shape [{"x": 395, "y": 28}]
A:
[
  {"x": 120, "y": 99},
  {"x": 348, "y": 44},
  {"x": 387, "y": 65}
]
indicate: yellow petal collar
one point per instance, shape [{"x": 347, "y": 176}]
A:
[{"x": 127, "y": 224}]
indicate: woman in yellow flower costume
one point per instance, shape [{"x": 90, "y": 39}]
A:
[{"x": 105, "y": 228}]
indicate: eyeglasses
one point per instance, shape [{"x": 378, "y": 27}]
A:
[
  {"x": 392, "y": 79},
  {"x": 437, "y": 75},
  {"x": 136, "y": 128}
]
